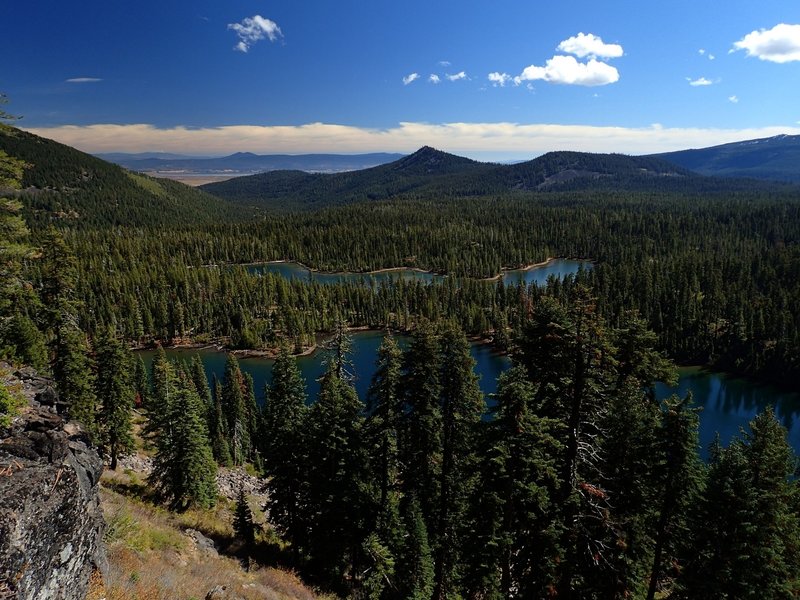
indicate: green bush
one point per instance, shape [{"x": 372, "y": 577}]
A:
[{"x": 9, "y": 405}]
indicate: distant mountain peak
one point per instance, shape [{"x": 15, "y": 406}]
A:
[{"x": 428, "y": 161}]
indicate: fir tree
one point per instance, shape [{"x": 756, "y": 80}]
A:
[
  {"x": 385, "y": 411},
  {"x": 416, "y": 570},
  {"x": 462, "y": 405},
  {"x": 184, "y": 471},
  {"x": 234, "y": 409},
  {"x": 281, "y": 443},
  {"x": 567, "y": 353},
  {"x": 16, "y": 247},
  {"x": 243, "y": 521},
  {"x": 253, "y": 421},
  {"x": 335, "y": 479},
  {"x": 200, "y": 382},
  {"x": 631, "y": 459},
  {"x": 218, "y": 430},
  {"x": 141, "y": 384},
  {"x": 513, "y": 552},
  {"x": 159, "y": 401},
  {"x": 681, "y": 480},
  {"x": 747, "y": 531},
  {"x": 421, "y": 433},
  {"x": 73, "y": 374},
  {"x": 114, "y": 391}
]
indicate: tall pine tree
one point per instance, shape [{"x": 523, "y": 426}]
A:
[{"x": 114, "y": 390}]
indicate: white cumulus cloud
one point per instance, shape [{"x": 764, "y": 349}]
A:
[
  {"x": 83, "y": 80},
  {"x": 583, "y": 45},
  {"x": 499, "y": 78},
  {"x": 457, "y": 76},
  {"x": 253, "y": 29},
  {"x": 781, "y": 44},
  {"x": 411, "y": 77},
  {"x": 568, "y": 71},
  {"x": 699, "y": 82},
  {"x": 733, "y": 99},
  {"x": 434, "y": 78}
]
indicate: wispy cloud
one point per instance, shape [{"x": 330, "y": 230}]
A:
[
  {"x": 781, "y": 44},
  {"x": 444, "y": 63},
  {"x": 583, "y": 45},
  {"x": 83, "y": 80},
  {"x": 253, "y": 29},
  {"x": 410, "y": 78},
  {"x": 499, "y": 79},
  {"x": 567, "y": 70},
  {"x": 699, "y": 82},
  {"x": 434, "y": 78},
  {"x": 733, "y": 99},
  {"x": 479, "y": 140},
  {"x": 458, "y": 76}
]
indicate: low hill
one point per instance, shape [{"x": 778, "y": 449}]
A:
[
  {"x": 65, "y": 185},
  {"x": 247, "y": 163},
  {"x": 431, "y": 172},
  {"x": 292, "y": 189},
  {"x": 775, "y": 158}
]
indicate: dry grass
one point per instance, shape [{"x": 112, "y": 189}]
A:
[{"x": 151, "y": 558}]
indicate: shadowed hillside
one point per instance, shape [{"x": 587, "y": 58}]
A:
[
  {"x": 64, "y": 184},
  {"x": 776, "y": 158}
]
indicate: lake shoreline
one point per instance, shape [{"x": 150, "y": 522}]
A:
[
  {"x": 503, "y": 270},
  {"x": 219, "y": 345}
]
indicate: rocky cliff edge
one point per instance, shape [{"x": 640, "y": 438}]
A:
[{"x": 51, "y": 523}]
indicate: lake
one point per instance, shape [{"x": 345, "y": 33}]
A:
[
  {"x": 489, "y": 364},
  {"x": 728, "y": 403},
  {"x": 559, "y": 267}
]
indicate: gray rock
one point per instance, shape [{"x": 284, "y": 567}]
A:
[
  {"x": 221, "y": 592},
  {"x": 51, "y": 524},
  {"x": 204, "y": 544}
]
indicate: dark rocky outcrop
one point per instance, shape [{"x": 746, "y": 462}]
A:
[{"x": 51, "y": 524}]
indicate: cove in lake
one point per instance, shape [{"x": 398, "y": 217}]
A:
[
  {"x": 558, "y": 267},
  {"x": 727, "y": 403}
]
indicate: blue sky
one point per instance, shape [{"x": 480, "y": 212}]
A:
[{"x": 495, "y": 80}]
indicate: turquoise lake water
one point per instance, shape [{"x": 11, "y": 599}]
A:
[{"x": 727, "y": 403}]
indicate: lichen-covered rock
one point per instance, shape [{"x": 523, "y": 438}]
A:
[
  {"x": 221, "y": 592},
  {"x": 51, "y": 524}
]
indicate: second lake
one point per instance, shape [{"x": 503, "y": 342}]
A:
[{"x": 727, "y": 403}]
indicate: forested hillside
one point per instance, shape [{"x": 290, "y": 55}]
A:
[
  {"x": 61, "y": 184},
  {"x": 776, "y": 158},
  {"x": 430, "y": 173}
]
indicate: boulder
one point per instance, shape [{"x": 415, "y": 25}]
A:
[{"x": 51, "y": 524}]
